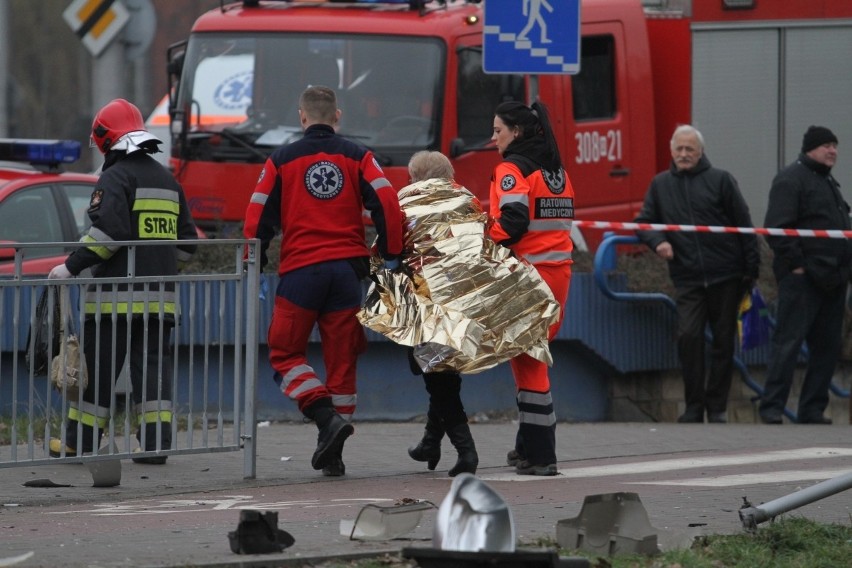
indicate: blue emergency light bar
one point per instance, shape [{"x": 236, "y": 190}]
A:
[{"x": 39, "y": 152}]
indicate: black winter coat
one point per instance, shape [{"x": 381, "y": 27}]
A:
[
  {"x": 703, "y": 195},
  {"x": 804, "y": 195}
]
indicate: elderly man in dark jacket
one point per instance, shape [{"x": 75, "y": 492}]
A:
[
  {"x": 710, "y": 272},
  {"x": 812, "y": 274}
]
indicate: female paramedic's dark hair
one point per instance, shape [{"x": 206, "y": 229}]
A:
[{"x": 532, "y": 121}]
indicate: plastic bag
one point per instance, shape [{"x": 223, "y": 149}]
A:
[
  {"x": 44, "y": 332},
  {"x": 68, "y": 368},
  {"x": 753, "y": 320}
]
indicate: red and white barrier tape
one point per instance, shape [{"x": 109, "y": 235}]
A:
[{"x": 820, "y": 233}]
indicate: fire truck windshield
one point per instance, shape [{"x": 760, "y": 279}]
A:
[{"x": 243, "y": 90}]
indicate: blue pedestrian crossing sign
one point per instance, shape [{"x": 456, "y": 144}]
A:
[{"x": 531, "y": 36}]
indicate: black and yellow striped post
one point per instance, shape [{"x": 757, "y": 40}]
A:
[{"x": 96, "y": 22}]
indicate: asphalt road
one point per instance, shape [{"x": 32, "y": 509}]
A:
[{"x": 691, "y": 479}]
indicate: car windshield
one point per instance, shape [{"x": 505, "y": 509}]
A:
[{"x": 248, "y": 87}]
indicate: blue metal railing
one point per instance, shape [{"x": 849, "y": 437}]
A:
[{"x": 605, "y": 259}]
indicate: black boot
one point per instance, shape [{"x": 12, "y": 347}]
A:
[
  {"x": 429, "y": 448},
  {"x": 333, "y": 431},
  {"x": 151, "y": 442},
  {"x": 462, "y": 440},
  {"x": 72, "y": 446},
  {"x": 539, "y": 453},
  {"x": 335, "y": 467}
]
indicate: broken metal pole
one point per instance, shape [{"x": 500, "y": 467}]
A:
[{"x": 753, "y": 516}]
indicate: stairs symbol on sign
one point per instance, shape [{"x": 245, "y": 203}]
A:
[{"x": 526, "y": 45}]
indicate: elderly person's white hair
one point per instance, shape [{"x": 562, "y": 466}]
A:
[
  {"x": 687, "y": 129},
  {"x": 428, "y": 164}
]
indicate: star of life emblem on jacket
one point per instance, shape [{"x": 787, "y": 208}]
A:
[
  {"x": 508, "y": 182},
  {"x": 324, "y": 180}
]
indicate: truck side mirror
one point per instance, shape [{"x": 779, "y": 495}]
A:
[
  {"x": 175, "y": 55},
  {"x": 175, "y": 65},
  {"x": 457, "y": 147}
]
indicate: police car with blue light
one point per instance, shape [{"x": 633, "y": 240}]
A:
[{"x": 40, "y": 203}]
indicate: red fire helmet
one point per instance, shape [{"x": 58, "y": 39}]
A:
[{"x": 114, "y": 120}]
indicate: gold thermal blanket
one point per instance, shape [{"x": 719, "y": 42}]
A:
[{"x": 461, "y": 301}]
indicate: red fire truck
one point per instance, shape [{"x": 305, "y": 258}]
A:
[{"x": 750, "y": 74}]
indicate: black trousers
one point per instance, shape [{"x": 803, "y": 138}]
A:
[
  {"x": 446, "y": 409},
  {"x": 150, "y": 366},
  {"x": 150, "y": 359},
  {"x": 698, "y": 307},
  {"x": 805, "y": 313},
  {"x": 445, "y": 398}
]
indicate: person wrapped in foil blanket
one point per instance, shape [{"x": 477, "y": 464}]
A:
[{"x": 460, "y": 300}]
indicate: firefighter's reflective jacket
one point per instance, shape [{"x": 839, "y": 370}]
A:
[{"x": 135, "y": 198}]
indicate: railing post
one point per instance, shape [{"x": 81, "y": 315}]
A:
[{"x": 251, "y": 290}]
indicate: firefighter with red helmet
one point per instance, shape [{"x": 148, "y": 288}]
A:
[
  {"x": 135, "y": 199},
  {"x": 314, "y": 192}
]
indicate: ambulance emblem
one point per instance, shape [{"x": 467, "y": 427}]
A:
[
  {"x": 324, "y": 180},
  {"x": 508, "y": 182}
]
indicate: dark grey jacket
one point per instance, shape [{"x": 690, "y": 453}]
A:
[
  {"x": 703, "y": 195},
  {"x": 804, "y": 195}
]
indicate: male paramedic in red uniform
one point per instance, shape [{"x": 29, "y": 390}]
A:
[{"x": 314, "y": 191}]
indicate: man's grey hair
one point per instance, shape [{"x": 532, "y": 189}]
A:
[
  {"x": 427, "y": 164},
  {"x": 687, "y": 129}
]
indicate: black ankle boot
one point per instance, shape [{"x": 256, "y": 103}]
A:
[
  {"x": 429, "y": 448},
  {"x": 462, "y": 440}
]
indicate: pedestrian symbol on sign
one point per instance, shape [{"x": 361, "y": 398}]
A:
[
  {"x": 511, "y": 43},
  {"x": 532, "y": 9}
]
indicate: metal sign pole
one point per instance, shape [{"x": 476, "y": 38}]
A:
[
  {"x": 108, "y": 83},
  {"x": 753, "y": 516},
  {"x": 533, "y": 89}
]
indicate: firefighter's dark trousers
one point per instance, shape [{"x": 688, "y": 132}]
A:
[{"x": 106, "y": 345}]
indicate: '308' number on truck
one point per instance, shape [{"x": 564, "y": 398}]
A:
[{"x": 592, "y": 147}]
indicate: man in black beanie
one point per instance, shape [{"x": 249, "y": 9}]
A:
[
  {"x": 816, "y": 136},
  {"x": 812, "y": 276}
]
